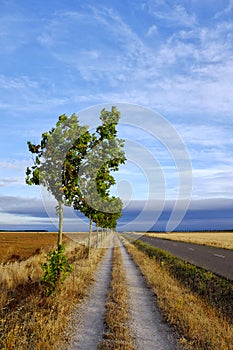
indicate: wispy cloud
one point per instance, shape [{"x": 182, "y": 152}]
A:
[
  {"x": 226, "y": 11},
  {"x": 213, "y": 136},
  {"x": 172, "y": 14},
  {"x": 12, "y": 33},
  {"x": 169, "y": 56},
  {"x": 153, "y": 30},
  {"x": 215, "y": 182},
  {"x": 24, "y": 94},
  {"x": 191, "y": 67},
  {"x": 11, "y": 181},
  {"x": 13, "y": 165}
]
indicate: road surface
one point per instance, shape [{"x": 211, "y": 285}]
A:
[{"x": 216, "y": 260}]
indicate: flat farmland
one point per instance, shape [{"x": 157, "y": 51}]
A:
[
  {"x": 82, "y": 237},
  {"x": 21, "y": 245},
  {"x": 220, "y": 239},
  {"x": 78, "y": 237}
]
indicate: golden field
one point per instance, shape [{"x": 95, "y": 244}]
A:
[
  {"x": 21, "y": 245},
  {"x": 216, "y": 239},
  {"x": 18, "y": 246}
]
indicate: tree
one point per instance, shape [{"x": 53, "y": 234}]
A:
[
  {"x": 76, "y": 166},
  {"x": 104, "y": 156},
  {"x": 53, "y": 161}
]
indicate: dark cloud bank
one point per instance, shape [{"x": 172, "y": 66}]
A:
[{"x": 209, "y": 214}]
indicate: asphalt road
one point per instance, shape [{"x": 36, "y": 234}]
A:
[{"x": 216, "y": 260}]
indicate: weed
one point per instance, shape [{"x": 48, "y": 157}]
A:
[{"x": 56, "y": 270}]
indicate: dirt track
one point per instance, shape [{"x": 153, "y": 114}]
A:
[{"x": 147, "y": 328}]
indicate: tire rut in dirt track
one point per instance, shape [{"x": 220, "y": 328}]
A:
[
  {"x": 147, "y": 326},
  {"x": 89, "y": 324},
  {"x": 148, "y": 330}
]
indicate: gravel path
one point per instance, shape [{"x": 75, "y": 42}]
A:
[
  {"x": 148, "y": 329},
  {"x": 89, "y": 325}
]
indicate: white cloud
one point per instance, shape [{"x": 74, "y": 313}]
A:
[
  {"x": 214, "y": 182},
  {"x": 11, "y": 181},
  {"x": 173, "y": 15},
  {"x": 227, "y": 10},
  {"x": 204, "y": 135},
  {"x": 25, "y": 94},
  {"x": 153, "y": 30},
  {"x": 183, "y": 69},
  {"x": 14, "y": 165},
  {"x": 12, "y": 35},
  {"x": 191, "y": 70}
]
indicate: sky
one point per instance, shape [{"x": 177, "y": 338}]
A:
[{"x": 166, "y": 65}]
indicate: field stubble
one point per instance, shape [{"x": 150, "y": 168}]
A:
[
  {"x": 28, "y": 320},
  {"x": 219, "y": 239}
]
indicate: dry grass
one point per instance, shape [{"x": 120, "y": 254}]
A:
[
  {"x": 201, "y": 326},
  {"x": 30, "y": 321},
  {"x": 214, "y": 239},
  {"x": 117, "y": 335}
]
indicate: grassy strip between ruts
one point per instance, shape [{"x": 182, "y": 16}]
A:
[
  {"x": 117, "y": 334},
  {"x": 200, "y": 325},
  {"x": 29, "y": 321}
]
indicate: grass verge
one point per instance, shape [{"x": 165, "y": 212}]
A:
[
  {"x": 201, "y": 327},
  {"x": 29, "y": 321},
  {"x": 117, "y": 334},
  {"x": 216, "y": 290}
]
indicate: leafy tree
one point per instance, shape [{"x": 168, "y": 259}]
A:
[
  {"x": 105, "y": 155},
  {"x": 76, "y": 167},
  {"x": 53, "y": 161}
]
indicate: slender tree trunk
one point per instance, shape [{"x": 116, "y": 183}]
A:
[
  {"x": 89, "y": 236},
  {"x": 97, "y": 236},
  {"x": 60, "y": 232},
  {"x": 90, "y": 231}
]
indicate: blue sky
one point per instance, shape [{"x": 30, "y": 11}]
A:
[{"x": 161, "y": 63}]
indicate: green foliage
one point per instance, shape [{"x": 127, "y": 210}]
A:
[
  {"x": 56, "y": 269},
  {"x": 104, "y": 156},
  {"x": 54, "y": 161},
  {"x": 53, "y": 156},
  {"x": 216, "y": 290},
  {"x": 75, "y": 166}
]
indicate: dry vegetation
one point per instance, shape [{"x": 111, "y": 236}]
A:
[
  {"x": 30, "y": 321},
  {"x": 215, "y": 239},
  {"x": 202, "y": 327},
  {"x": 117, "y": 334}
]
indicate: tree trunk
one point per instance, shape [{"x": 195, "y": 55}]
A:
[
  {"x": 89, "y": 237},
  {"x": 97, "y": 236},
  {"x": 60, "y": 232}
]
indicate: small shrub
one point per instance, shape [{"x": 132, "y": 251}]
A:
[{"x": 56, "y": 270}]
